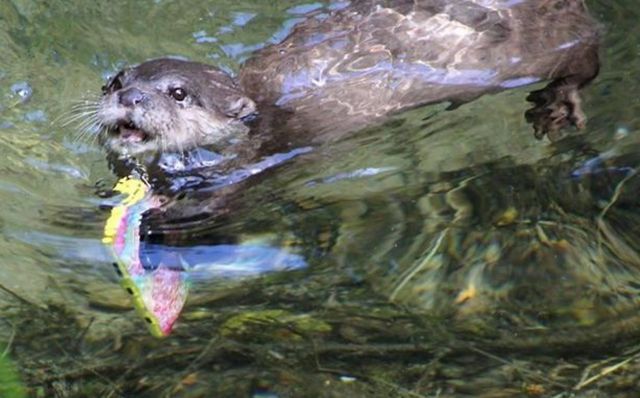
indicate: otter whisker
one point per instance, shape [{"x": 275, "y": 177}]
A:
[
  {"x": 74, "y": 111},
  {"x": 80, "y": 105},
  {"x": 71, "y": 114},
  {"x": 75, "y": 117},
  {"x": 88, "y": 128},
  {"x": 95, "y": 137},
  {"x": 81, "y": 135},
  {"x": 85, "y": 106},
  {"x": 78, "y": 108}
]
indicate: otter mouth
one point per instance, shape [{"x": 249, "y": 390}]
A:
[{"x": 130, "y": 133}]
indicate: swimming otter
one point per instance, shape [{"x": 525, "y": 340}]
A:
[{"x": 344, "y": 69}]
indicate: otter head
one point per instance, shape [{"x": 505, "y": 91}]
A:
[{"x": 167, "y": 105}]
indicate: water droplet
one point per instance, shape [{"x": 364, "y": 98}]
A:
[{"x": 22, "y": 90}]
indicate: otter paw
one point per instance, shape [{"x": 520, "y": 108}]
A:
[{"x": 555, "y": 110}]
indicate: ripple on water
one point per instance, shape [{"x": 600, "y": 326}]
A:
[{"x": 461, "y": 219}]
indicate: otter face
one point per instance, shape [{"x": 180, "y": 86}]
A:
[{"x": 169, "y": 105}]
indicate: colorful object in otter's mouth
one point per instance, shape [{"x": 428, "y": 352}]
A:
[{"x": 159, "y": 294}]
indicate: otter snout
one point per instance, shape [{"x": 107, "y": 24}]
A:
[{"x": 131, "y": 96}]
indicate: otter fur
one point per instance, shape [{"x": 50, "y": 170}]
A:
[{"x": 344, "y": 69}]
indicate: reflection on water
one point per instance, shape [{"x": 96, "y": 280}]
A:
[
  {"x": 222, "y": 261},
  {"x": 442, "y": 254}
]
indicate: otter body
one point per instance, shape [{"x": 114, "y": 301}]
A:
[
  {"x": 354, "y": 64},
  {"x": 379, "y": 57}
]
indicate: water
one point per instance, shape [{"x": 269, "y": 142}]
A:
[{"x": 442, "y": 254}]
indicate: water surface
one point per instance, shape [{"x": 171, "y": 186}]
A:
[{"x": 441, "y": 254}]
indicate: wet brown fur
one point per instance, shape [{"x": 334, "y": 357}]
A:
[{"x": 342, "y": 70}]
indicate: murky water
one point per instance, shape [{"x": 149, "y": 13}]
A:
[{"x": 442, "y": 254}]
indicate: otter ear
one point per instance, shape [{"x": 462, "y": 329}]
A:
[{"x": 240, "y": 107}]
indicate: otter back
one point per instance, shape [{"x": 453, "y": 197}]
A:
[{"x": 339, "y": 71}]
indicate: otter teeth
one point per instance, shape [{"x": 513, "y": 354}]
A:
[{"x": 129, "y": 132}]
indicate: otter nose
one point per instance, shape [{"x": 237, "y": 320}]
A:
[{"x": 131, "y": 96}]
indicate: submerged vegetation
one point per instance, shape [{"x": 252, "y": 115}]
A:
[
  {"x": 446, "y": 254},
  {"x": 10, "y": 384}
]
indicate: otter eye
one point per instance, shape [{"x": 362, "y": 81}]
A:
[{"x": 178, "y": 93}]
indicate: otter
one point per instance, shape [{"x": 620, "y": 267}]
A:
[{"x": 352, "y": 65}]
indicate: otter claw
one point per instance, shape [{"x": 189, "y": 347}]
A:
[{"x": 556, "y": 109}]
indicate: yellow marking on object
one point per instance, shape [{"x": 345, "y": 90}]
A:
[{"x": 134, "y": 190}]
